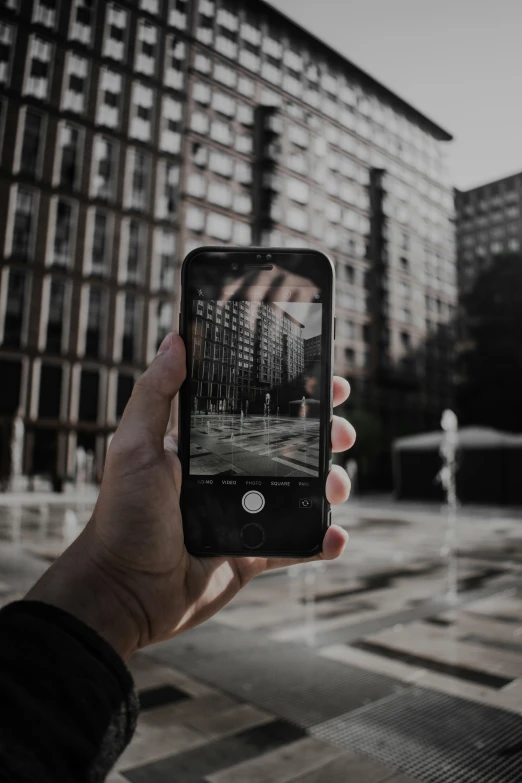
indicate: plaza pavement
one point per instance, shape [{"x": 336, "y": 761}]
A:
[
  {"x": 228, "y": 444},
  {"x": 358, "y": 670}
]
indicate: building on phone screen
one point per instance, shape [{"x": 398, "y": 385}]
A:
[{"x": 132, "y": 132}]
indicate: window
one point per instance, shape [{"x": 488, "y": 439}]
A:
[
  {"x": 44, "y": 12},
  {"x": 75, "y": 84},
  {"x": 50, "y": 392},
  {"x": 138, "y": 167},
  {"x": 131, "y": 320},
  {"x": 195, "y": 219},
  {"x": 165, "y": 318},
  {"x": 293, "y": 61},
  {"x": 174, "y": 62},
  {"x": 221, "y": 163},
  {"x": 111, "y": 87},
  {"x": 146, "y": 48},
  {"x": 24, "y": 223},
  {"x": 69, "y": 150},
  {"x": 100, "y": 242},
  {"x": 196, "y": 185},
  {"x": 201, "y": 93},
  {"x": 242, "y": 234},
  {"x": 250, "y": 33},
  {"x": 15, "y": 309},
  {"x": 170, "y": 140},
  {"x": 244, "y": 143},
  {"x": 249, "y": 60},
  {"x": 141, "y": 112},
  {"x": 225, "y": 75},
  {"x": 82, "y": 21},
  {"x": 298, "y": 135},
  {"x": 6, "y": 49},
  {"x": 104, "y": 168},
  {"x": 165, "y": 249},
  {"x": 38, "y": 68},
  {"x": 178, "y": 14},
  {"x": 63, "y": 234},
  {"x": 246, "y": 87},
  {"x": 89, "y": 395},
  {"x": 123, "y": 393},
  {"x": 297, "y": 190},
  {"x": 199, "y": 155},
  {"x": 220, "y": 194},
  {"x": 168, "y": 181},
  {"x": 199, "y": 122},
  {"x": 202, "y": 63},
  {"x": 136, "y": 245},
  {"x": 96, "y": 310},
  {"x": 296, "y": 219},
  {"x": 243, "y": 172},
  {"x": 219, "y": 226},
  {"x": 31, "y": 143},
  {"x": 245, "y": 114},
  {"x": 222, "y": 132},
  {"x": 114, "y": 43},
  {"x": 223, "y": 104},
  {"x": 242, "y": 204},
  {"x": 11, "y": 374},
  {"x": 56, "y": 315}
]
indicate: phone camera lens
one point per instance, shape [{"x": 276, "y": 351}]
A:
[
  {"x": 269, "y": 257},
  {"x": 234, "y": 267}
]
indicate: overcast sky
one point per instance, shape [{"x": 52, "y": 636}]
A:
[
  {"x": 307, "y": 314},
  {"x": 457, "y": 61}
]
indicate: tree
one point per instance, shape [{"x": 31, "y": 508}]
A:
[{"x": 490, "y": 367}]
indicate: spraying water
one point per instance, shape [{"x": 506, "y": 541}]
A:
[{"x": 447, "y": 477}]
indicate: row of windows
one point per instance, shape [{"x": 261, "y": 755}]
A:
[
  {"x": 481, "y": 250},
  {"x": 51, "y": 399},
  {"x": 218, "y": 226},
  {"x": 54, "y": 334},
  {"x": 82, "y": 25},
  {"x": 61, "y": 244},
  {"x": 69, "y": 161}
]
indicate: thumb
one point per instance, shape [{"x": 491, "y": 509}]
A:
[{"x": 146, "y": 416}]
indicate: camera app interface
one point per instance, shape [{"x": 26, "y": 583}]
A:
[{"x": 256, "y": 384}]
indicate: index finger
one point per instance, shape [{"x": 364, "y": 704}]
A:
[{"x": 341, "y": 390}]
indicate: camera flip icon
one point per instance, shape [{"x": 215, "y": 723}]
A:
[{"x": 305, "y": 503}]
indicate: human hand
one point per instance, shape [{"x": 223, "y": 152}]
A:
[{"x": 128, "y": 574}]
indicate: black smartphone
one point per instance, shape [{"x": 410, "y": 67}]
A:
[{"x": 256, "y": 407}]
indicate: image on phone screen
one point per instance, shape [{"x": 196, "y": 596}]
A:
[{"x": 255, "y": 381}]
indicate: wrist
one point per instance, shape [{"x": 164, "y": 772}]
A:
[{"x": 76, "y": 584}]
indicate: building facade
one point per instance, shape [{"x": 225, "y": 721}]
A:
[
  {"x": 130, "y": 134},
  {"x": 489, "y": 222},
  {"x": 243, "y": 351}
]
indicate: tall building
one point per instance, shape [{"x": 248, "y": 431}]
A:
[
  {"x": 312, "y": 351},
  {"x": 133, "y": 131},
  {"x": 489, "y": 222},
  {"x": 242, "y": 351}
]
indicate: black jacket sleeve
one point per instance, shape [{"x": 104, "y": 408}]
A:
[{"x": 68, "y": 707}]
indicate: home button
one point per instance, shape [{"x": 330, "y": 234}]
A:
[{"x": 252, "y": 535}]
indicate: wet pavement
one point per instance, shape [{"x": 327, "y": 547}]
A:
[
  {"x": 361, "y": 669},
  {"x": 225, "y": 444}
]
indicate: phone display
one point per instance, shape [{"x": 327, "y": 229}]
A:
[{"x": 256, "y": 405}]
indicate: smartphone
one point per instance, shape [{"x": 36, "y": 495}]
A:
[{"x": 256, "y": 407}]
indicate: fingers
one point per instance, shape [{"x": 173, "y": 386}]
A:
[
  {"x": 146, "y": 416},
  {"x": 342, "y": 434},
  {"x": 334, "y": 542},
  {"x": 341, "y": 390},
  {"x": 338, "y": 486}
]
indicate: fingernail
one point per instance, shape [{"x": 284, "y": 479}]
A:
[{"x": 165, "y": 344}]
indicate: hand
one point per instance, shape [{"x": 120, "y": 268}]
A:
[{"x": 128, "y": 574}]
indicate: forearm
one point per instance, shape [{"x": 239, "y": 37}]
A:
[{"x": 77, "y": 584}]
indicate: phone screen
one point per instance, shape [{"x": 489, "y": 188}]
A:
[{"x": 257, "y": 397}]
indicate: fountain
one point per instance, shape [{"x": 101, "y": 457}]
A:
[
  {"x": 16, "y": 480},
  {"x": 448, "y": 478}
]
